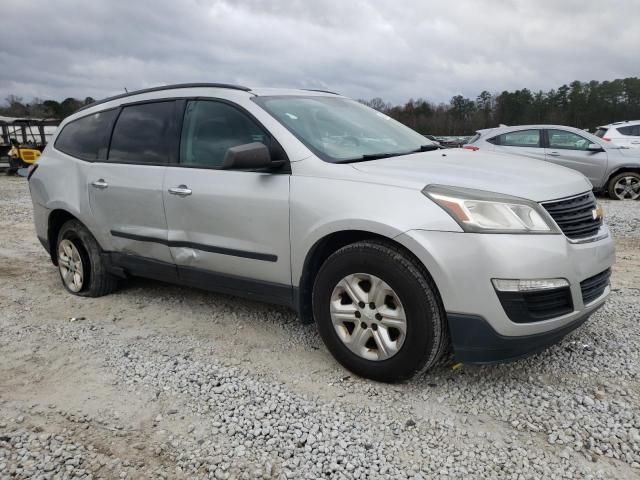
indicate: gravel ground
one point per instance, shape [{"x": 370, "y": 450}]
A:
[{"x": 158, "y": 381}]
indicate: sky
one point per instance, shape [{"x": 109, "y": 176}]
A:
[{"x": 397, "y": 49}]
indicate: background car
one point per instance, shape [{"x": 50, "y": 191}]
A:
[
  {"x": 625, "y": 134},
  {"x": 608, "y": 166}
]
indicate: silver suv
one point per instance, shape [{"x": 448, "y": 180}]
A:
[
  {"x": 609, "y": 167},
  {"x": 308, "y": 199}
]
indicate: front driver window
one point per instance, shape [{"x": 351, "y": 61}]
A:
[
  {"x": 567, "y": 140},
  {"x": 210, "y": 128}
]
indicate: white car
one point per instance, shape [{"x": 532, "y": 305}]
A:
[{"x": 625, "y": 134}]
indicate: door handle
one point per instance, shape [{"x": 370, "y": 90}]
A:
[
  {"x": 180, "y": 190},
  {"x": 554, "y": 154},
  {"x": 101, "y": 184}
]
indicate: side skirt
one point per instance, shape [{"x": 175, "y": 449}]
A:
[{"x": 203, "y": 279}]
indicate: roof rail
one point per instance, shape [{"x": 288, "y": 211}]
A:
[
  {"x": 167, "y": 87},
  {"x": 321, "y": 91}
]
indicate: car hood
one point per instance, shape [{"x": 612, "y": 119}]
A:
[{"x": 535, "y": 180}]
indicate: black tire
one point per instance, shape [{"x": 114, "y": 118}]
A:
[
  {"x": 97, "y": 280},
  {"x": 427, "y": 337},
  {"x": 14, "y": 165},
  {"x": 614, "y": 180}
]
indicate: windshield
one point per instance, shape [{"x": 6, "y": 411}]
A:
[
  {"x": 340, "y": 130},
  {"x": 475, "y": 138}
]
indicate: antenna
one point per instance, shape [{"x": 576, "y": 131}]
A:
[{"x": 125, "y": 90}]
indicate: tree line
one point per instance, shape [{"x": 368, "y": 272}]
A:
[
  {"x": 14, "y": 106},
  {"x": 580, "y": 104},
  {"x": 584, "y": 105}
]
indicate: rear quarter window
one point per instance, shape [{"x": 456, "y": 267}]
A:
[
  {"x": 87, "y": 138},
  {"x": 630, "y": 131}
]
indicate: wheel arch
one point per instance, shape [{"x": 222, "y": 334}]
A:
[
  {"x": 57, "y": 218},
  {"x": 322, "y": 249},
  {"x": 621, "y": 169}
]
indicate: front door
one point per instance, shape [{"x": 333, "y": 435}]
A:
[
  {"x": 227, "y": 228},
  {"x": 572, "y": 150}
]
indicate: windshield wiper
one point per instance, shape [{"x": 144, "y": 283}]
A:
[{"x": 378, "y": 156}]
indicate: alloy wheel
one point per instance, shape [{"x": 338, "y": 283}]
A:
[{"x": 627, "y": 188}]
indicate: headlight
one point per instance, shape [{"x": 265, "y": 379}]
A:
[{"x": 487, "y": 212}]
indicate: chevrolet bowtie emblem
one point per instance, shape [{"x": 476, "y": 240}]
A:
[{"x": 597, "y": 213}]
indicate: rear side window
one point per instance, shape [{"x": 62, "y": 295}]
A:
[
  {"x": 210, "y": 128},
  {"x": 630, "y": 131},
  {"x": 601, "y": 132},
  {"x": 144, "y": 134},
  {"x": 88, "y": 137},
  {"x": 522, "y": 138}
]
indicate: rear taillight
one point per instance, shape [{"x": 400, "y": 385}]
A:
[
  {"x": 31, "y": 170},
  {"x": 606, "y": 139},
  {"x": 471, "y": 147}
]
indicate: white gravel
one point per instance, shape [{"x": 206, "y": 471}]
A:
[
  {"x": 623, "y": 217},
  {"x": 157, "y": 381}
]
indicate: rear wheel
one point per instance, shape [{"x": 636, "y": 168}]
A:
[
  {"x": 378, "y": 311},
  {"x": 14, "y": 165},
  {"x": 625, "y": 186},
  {"x": 82, "y": 269}
]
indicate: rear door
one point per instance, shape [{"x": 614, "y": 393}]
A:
[
  {"x": 228, "y": 228},
  {"x": 125, "y": 190},
  {"x": 629, "y": 136},
  {"x": 571, "y": 150},
  {"x": 526, "y": 143}
]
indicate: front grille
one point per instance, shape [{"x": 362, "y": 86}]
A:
[
  {"x": 526, "y": 307},
  {"x": 594, "y": 286},
  {"x": 575, "y": 215}
]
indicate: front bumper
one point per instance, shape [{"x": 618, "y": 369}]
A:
[
  {"x": 463, "y": 264},
  {"x": 475, "y": 341}
]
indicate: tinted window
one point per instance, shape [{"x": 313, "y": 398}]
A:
[
  {"x": 600, "y": 132},
  {"x": 211, "y": 128},
  {"x": 88, "y": 137},
  {"x": 632, "y": 131},
  {"x": 567, "y": 140},
  {"x": 522, "y": 138},
  {"x": 144, "y": 133}
]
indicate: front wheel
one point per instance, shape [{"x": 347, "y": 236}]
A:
[
  {"x": 378, "y": 311},
  {"x": 625, "y": 186}
]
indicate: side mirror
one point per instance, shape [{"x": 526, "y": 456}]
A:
[
  {"x": 247, "y": 156},
  {"x": 594, "y": 147}
]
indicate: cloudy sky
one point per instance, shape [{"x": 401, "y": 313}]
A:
[{"x": 396, "y": 49}]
